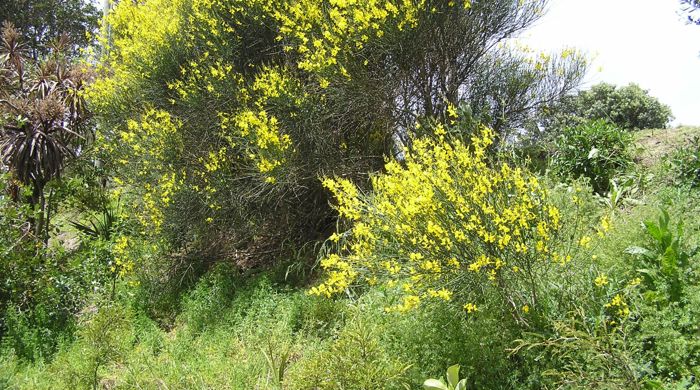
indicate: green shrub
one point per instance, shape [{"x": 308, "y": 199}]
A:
[
  {"x": 630, "y": 108},
  {"x": 666, "y": 339},
  {"x": 669, "y": 320},
  {"x": 43, "y": 289},
  {"x": 597, "y": 150},
  {"x": 354, "y": 361},
  {"x": 684, "y": 163},
  {"x": 438, "y": 334},
  {"x": 104, "y": 337},
  {"x": 45, "y": 283},
  {"x": 582, "y": 351}
]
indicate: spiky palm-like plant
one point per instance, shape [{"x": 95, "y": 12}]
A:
[{"x": 43, "y": 117}]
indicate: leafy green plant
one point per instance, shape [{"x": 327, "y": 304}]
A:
[
  {"x": 668, "y": 321},
  {"x": 663, "y": 265},
  {"x": 355, "y": 360},
  {"x": 595, "y": 149},
  {"x": 622, "y": 192},
  {"x": 685, "y": 163},
  {"x": 103, "y": 338},
  {"x": 277, "y": 359},
  {"x": 453, "y": 382},
  {"x": 102, "y": 226}
]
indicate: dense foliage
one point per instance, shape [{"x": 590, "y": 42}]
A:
[
  {"x": 42, "y": 21},
  {"x": 629, "y": 107},
  {"x": 219, "y": 116},
  {"x": 596, "y": 149}
]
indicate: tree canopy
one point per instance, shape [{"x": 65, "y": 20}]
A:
[
  {"x": 42, "y": 21},
  {"x": 630, "y": 107}
]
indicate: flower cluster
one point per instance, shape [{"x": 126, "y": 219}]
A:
[
  {"x": 617, "y": 309},
  {"x": 323, "y": 31},
  {"x": 153, "y": 138},
  {"x": 442, "y": 221},
  {"x": 123, "y": 265}
]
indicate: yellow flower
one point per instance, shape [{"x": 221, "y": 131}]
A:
[
  {"x": 619, "y": 306},
  {"x": 601, "y": 280},
  {"x": 585, "y": 242},
  {"x": 470, "y": 308},
  {"x": 443, "y": 212}
]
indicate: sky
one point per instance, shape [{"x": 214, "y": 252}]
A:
[{"x": 646, "y": 42}]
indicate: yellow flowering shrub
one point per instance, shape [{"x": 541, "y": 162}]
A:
[
  {"x": 445, "y": 222},
  {"x": 123, "y": 265},
  {"x": 220, "y": 115},
  {"x": 137, "y": 36},
  {"x": 154, "y": 139}
]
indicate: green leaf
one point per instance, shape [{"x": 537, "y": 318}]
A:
[
  {"x": 462, "y": 385},
  {"x": 434, "y": 384},
  {"x": 654, "y": 231},
  {"x": 453, "y": 376},
  {"x": 652, "y": 385},
  {"x": 639, "y": 251},
  {"x": 664, "y": 219},
  {"x": 668, "y": 264}
]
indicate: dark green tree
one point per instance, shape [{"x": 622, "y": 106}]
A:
[
  {"x": 629, "y": 107},
  {"x": 42, "y": 21}
]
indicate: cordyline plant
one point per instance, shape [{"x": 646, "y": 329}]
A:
[{"x": 43, "y": 117}]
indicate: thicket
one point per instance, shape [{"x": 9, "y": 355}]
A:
[
  {"x": 219, "y": 117},
  {"x": 596, "y": 149}
]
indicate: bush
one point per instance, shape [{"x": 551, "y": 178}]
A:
[
  {"x": 630, "y": 108},
  {"x": 218, "y": 134},
  {"x": 355, "y": 360},
  {"x": 597, "y": 150},
  {"x": 446, "y": 223},
  {"x": 667, "y": 327},
  {"x": 104, "y": 337},
  {"x": 685, "y": 163},
  {"x": 40, "y": 288}
]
